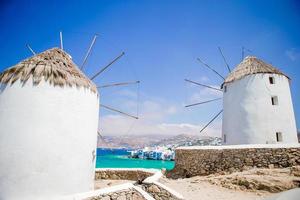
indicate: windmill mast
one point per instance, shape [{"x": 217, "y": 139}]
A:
[
  {"x": 203, "y": 85},
  {"x": 215, "y": 117},
  {"x": 118, "y": 84},
  {"x": 89, "y": 51},
  {"x": 61, "y": 40},
  {"x": 118, "y": 111},
  {"x": 209, "y": 67},
  {"x": 107, "y": 66},
  {"x": 30, "y": 49},
  {"x": 224, "y": 59},
  {"x": 210, "y": 87},
  {"x": 203, "y": 102}
]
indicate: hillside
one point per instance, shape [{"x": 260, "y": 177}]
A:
[{"x": 135, "y": 141}]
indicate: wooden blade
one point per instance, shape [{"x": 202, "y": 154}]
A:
[
  {"x": 203, "y": 102},
  {"x": 109, "y": 64},
  {"x": 119, "y": 84},
  {"x": 30, "y": 49},
  {"x": 118, "y": 111},
  {"x": 61, "y": 40},
  {"x": 101, "y": 137},
  {"x": 89, "y": 51},
  {"x": 206, "y": 65},
  {"x": 207, "y": 86},
  {"x": 244, "y": 49},
  {"x": 224, "y": 59},
  {"x": 211, "y": 121},
  {"x": 98, "y": 133}
]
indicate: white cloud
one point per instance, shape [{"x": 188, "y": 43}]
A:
[
  {"x": 127, "y": 93},
  {"x": 204, "y": 79},
  {"x": 155, "y": 111},
  {"x": 205, "y": 94},
  {"x": 171, "y": 110},
  {"x": 293, "y": 54},
  {"x": 119, "y": 125},
  {"x": 152, "y": 121}
]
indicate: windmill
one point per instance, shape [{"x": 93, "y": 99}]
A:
[
  {"x": 210, "y": 87},
  {"x": 57, "y": 106},
  {"x": 98, "y": 73},
  {"x": 256, "y": 103}
]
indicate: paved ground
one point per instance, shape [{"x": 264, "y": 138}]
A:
[{"x": 192, "y": 189}]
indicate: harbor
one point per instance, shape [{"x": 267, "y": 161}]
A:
[
  {"x": 154, "y": 153},
  {"x": 121, "y": 158}
]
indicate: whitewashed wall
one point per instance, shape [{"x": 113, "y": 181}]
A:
[
  {"x": 249, "y": 116},
  {"x": 48, "y": 136}
]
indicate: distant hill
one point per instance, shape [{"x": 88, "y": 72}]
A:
[
  {"x": 136, "y": 141},
  {"x": 180, "y": 140},
  {"x": 128, "y": 141}
]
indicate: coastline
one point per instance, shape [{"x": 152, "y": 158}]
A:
[{"x": 118, "y": 158}]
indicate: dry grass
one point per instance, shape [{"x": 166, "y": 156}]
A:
[
  {"x": 251, "y": 65},
  {"x": 54, "y": 66}
]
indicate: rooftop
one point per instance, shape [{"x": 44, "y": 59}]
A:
[
  {"x": 251, "y": 65},
  {"x": 54, "y": 66}
]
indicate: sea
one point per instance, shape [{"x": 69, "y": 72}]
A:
[{"x": 118, "y": 158}]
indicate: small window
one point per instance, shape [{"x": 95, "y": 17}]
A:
[
  {"x": 272, "y": 80},
  {"x": 274, "y": 100},
  {"x": 224, "y": 137},
  {"x": 278, "y": 136},
  {"x": 225, "y": 88}
]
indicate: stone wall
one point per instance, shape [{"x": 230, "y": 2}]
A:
[
  {"x": 158, "y": 193},
  {"x": 135, "y": 175},
  {"x": 193, "y": 161},
  {"x": 130, "y": 194}
]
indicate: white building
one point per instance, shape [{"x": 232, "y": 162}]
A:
[
  {"x": 257, "y": 105},
  {"x": 48, "y": 128}
]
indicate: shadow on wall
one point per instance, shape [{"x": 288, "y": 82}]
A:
[{"x": 2, "y": 87}]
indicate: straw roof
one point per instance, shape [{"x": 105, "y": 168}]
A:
[
  {"x": 54, "y": 66},
  {"x": 251, "y": 65}
]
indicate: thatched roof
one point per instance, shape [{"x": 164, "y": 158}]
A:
[
  {"x": 251, "y": 65},
  {"x": 54, "y": 66}
]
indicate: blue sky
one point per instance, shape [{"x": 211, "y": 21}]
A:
[{"x": 162, "y": 40}]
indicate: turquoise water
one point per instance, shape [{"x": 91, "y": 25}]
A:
[{"x": 118, "y": 158}]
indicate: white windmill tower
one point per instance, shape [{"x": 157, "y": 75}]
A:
[
  {"x": 257, "y": 104},
  {"x": 49, "y": 113}
]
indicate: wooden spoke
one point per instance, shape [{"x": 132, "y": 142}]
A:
[
  {"x": 207, "y": 86},
  {"x": 118, "y": 111},
  {"x": 119, "y": 84},
  {"x": 224, "y": 59},
  {"x": 244, "y": 49},
  {"x": 99, "y": 134},
  {"x": 211, "y": 121},
  {"x": 30, "y": 49},
  {"x": 108, "y": 65},
  {"x": 61, "y": 40},
  {"x": 203, "y": 102},
  {"x": 209, "y": 67},
  {"x": 88, "y": 52}
]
